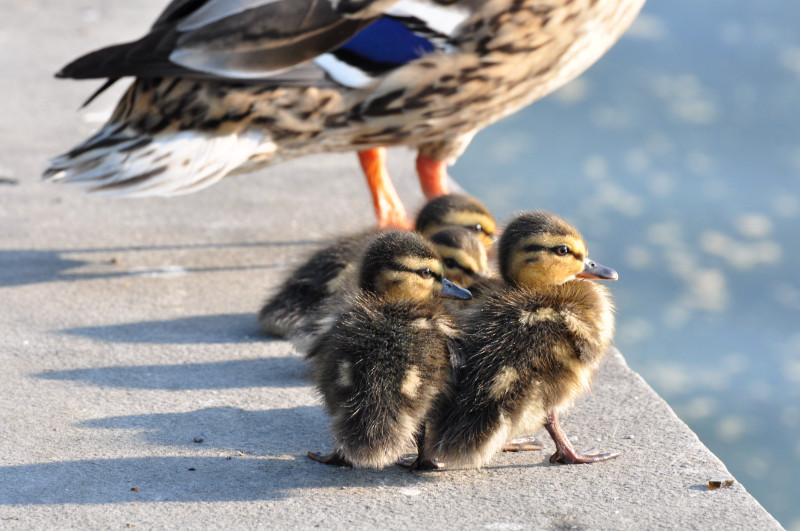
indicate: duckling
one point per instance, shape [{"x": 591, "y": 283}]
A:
[
  {"x": 463, "y": 260},
  {"x": 228, "y": 86},
  {"x": 386, "y": 356},
  {"x": 327, "y": 270},
  {"x": 463, "y": 255},
  {"x": 530, "y": 344},
  {"x": 458, "y": 210}
]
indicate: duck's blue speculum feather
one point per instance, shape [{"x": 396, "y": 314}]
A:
[{"x": 387, "y": 43}]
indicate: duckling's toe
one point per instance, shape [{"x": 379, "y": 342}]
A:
[
  {"x": 565, "y": 452},
  {"x": 335, "y": 459},
  {"x": 572, "y": 457},
  {"x": 415, "y": 463},
  {"x": 523, "y": 444}
]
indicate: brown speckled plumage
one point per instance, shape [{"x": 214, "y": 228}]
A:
[{"x": 177, "y": 130}]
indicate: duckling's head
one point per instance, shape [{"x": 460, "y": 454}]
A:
[
  {"x": 463, "y": 255},
  {"x": 400, "y": 265},
  {"x": 457, "y": 210},
  {"x": 540, "y": 249}
]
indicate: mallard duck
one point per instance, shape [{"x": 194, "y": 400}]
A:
[
  {"x": 385, "y": 357},
  {"x": 226, "y": 86},
  {"x": 327, "y": 270},
  {"x": 530, "y": 344}
]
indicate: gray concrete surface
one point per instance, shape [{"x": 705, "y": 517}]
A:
[{"x": 127, "y": 330}]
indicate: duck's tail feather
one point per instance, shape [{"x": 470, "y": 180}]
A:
[{"x": 121, "y": 161}]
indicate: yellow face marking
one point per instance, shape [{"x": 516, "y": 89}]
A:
[
  {"x": 468, "y": 220},
  {"x": 467, "y": 264},
  {"x": 534, "y": 260},
  {"x": 409, "y": 285},
  {"x": 415, "y": 264}
]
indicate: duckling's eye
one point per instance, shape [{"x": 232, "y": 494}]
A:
[
  {"x": 425, "y": 273},
  {"x": 450, "y": 263},
  {"x": 476, "y": 228},
  {"x": 562, "y": 250}
]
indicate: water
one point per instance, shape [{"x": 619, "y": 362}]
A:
[{"x": 678, "y": 158}]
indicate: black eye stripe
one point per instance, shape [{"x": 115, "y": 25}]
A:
[
  {"x": 478, "y": 227},
  {"x": 455, "y": 264},
  {"x": 532, "y": 248},
  {"x": 434, "y": 275}
]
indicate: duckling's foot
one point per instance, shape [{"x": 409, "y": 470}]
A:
[
  {"x": 415, "y": 463},
  {"x": 335, "y": 459},
  {"x": 565, "y": 452},
  {"x": 523, "y": 444},
  {"x": 573, "y": 457},
  {"x": 388, "y": 208}
]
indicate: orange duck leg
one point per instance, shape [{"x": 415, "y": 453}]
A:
[
  {"x": 432, "y": 177},
  {"x": 388, "y": 208}
]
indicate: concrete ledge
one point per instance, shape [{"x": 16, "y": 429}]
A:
[
  {"x": 127, "y": 333},
  {"x": 127, "y": 330}
]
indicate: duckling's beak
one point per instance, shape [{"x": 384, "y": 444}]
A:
[
  {"x": 452, "y": 291},
  {"x": 594, "y": 270}
]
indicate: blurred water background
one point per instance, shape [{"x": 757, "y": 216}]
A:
[{"x": 678, "y": 158}]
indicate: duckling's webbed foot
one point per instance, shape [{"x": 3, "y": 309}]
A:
[
  {"x": 565, "y": 452},
  {"x": 523, "y": 444},
  {"x": 420, "y": 462},
  {"x": 415, "y": 463},
  {"x": 335, "y": 459}
]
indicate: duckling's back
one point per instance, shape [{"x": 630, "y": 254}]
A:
[{"x": 305, "y": 291}]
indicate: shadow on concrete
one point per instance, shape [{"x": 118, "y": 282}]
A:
[
  {"x": 280, "y": 372},
  {"x": 208, "y": 329},
  {"x": 23, "y": 266},
  {"x": 171, "y": 479},
  {"x": 270, "y": 465},
  {"x": 259, "y": 432}
]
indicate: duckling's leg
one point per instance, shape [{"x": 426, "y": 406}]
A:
[
  {"x": 420, "y": 462},
  {"x": 565, "y": 452},
  {"x": 432, "y": 177},
  {"x": 388, "y": 207},
  {"x": 523, "y": 444},
  {"x": 335, "y": 459}
]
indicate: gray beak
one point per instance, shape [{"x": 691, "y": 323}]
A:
[
  {"x": 453, "y": 291},
  {"x": 597, "y": 271}
]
